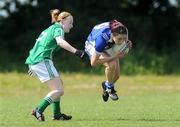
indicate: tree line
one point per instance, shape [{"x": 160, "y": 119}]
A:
[{"x": 153, "y": 24}]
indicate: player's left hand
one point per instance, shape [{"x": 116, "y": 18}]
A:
[
  {"x": 80, "y": 53},
  {"x": 84, "y": 57},
  {"x": 129, "y": 43},
  {"x": 120, "y": 55}
]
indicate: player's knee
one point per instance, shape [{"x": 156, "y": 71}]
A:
[
  {"x": 59, "y": 92},
  {"x": 112, "y": 65},
  {"x": 92, "y": 63},
  {"x": 117, "y": 76}
]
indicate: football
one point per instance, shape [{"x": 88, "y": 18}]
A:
[{"x": 118, "y": 48}]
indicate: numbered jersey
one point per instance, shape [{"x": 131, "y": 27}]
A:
[
  {"x": 45, "y": 45},
  {"x": 100, "y": 37}
]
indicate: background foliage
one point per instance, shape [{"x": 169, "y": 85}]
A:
[{"x": 153, "y": 28}]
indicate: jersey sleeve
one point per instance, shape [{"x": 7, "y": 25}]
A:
[
  {"x": 58, "y": 32},
  {"x": 100, "y": 44},
  {"x": 106, "y": 34}
]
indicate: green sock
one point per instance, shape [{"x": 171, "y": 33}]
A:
[
  {"x": 44, "y": 104},
  {"x": 56, "y": 108}
]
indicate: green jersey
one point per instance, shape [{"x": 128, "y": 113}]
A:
[{"x": 45, "y": 45}]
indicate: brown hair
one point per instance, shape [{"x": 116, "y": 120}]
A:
[
  {"x": 118, "y": 27},
  {"x": 57, "y": 16}
]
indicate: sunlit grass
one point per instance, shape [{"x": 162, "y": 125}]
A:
[{"x": 145, "y": 101}]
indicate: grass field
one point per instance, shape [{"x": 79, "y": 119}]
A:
[{"x": 145, "y": 101}]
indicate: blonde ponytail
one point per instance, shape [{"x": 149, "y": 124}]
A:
[{"x": 54, "y": 15}]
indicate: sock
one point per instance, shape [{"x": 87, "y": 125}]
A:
[
  {"x": 44, "y": 104},
  {"x": 108, "y": 85},
  {"x": 56, "y": 108}
]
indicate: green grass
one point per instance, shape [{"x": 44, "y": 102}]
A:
[{"x": 145, "y": 101}]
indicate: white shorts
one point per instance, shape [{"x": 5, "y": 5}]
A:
[
  {"x": 44, "y": 70},
  {"x": 89, "y": 48}
]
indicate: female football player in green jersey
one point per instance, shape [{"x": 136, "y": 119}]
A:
[{"x": 40, "y": 62}]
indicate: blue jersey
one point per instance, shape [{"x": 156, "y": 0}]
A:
[{"x": 100, "y": 37}]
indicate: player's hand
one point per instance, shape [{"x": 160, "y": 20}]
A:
[
  {"x": 84, "y": 57},
  {"x": 80, "y": 53},
  {"x": 120, "y": 55},
  {"x": 129, "y": 43}
]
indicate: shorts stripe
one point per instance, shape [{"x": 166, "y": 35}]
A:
[
  {"x": 48, "y": 66},
  {"x": 44, "y": 70}
]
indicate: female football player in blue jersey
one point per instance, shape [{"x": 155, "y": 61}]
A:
[
  {"x": 102, "y": 37},
  {"x": 40, "y": 62}
]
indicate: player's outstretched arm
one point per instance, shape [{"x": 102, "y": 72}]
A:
[{"x": 64, "y": 44}]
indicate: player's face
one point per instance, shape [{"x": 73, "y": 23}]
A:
[
  {"x": 68, "y": 24},
  {"x": 119, "y": 38}
]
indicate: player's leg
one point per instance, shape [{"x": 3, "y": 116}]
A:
[
  {"x": 55, "y": 91},
  {"x": 117, "y": 72},
  {"x": 47, "y": 74},
  {"x": 110, "y": 68},
  {"x": 110, "y": 71},
  {"x": 111, "y": 74},
  {"x": 53, "y": 97},
  {"x": 56, "y": 87},
  {"x": 108, "y": 86}
]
